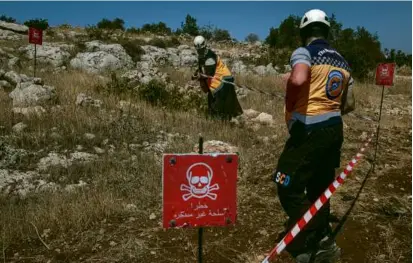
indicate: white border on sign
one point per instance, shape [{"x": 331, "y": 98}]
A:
[
  {"x": 205, "y": 1},
  {"x": 411, "y": 185},
  {"x": 164, "y": 155},
  {"x": 163, "y": 183}
]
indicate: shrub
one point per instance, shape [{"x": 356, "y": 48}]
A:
[
  {"x": 154, "y": 92},
  {"x": 133, "y": 48},
  {"x": 404, "y": 71},
  {"x": 278, "y": 57},
  {"x": 117, "y": 23},
  {"x": 212, "y": 32},
  {"x": 79, "y": 47},
  {"x": 7, "y": 19},
  {"x": 115, "y": 86},
  {"x": 252, "y": 38},
  {"x": 221, "y": 35},
  {"x": 174, "y": 42},
  {"x": 164, "y": 43},
  {"x": 157, "y": 42},
  {"x": 96, "y": 33},
  {"x": 207, "y": 31},
  {"x": 37, "y": 23},
  {"x": 159, "y": 28},
  {"x": 133, "y": 30},
  {"x": 157, "y": 93},
  {"x": 65, "y": 26},
  {"x": 50, "y": 32}
]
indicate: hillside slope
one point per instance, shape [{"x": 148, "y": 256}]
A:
[{"x": 81, "y": 147}]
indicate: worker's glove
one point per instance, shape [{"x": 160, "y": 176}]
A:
[{"x": 203, "y": 77}]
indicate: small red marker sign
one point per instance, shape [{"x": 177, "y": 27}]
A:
[
  {"x": 385, "y": 74},
  {"x": 35, "y": 36},
  {"x": 199, "y": 190}
]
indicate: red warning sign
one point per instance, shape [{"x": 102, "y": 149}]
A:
[
  {"x": 35, "y": 36},
  {"x": 199, "y": 190},
  {"x": 385, "y": 74}
]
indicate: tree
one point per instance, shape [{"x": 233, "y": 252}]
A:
[
  {"x": 190, "y": 26},
  {"x": 37, "y": 23},
  {"x": 392, "y": 56},
  {"x": 289, "y": 32},
  {"x": 104, "y": 24},
  {"x": 409, "y": 60},
  {"x": 386, "y": 53},
  {"x": 221, "y": 35},
  {"x": 287, "y": 35},
  {"x": 211, "y": 32},
  {"x": 178, "y": 31},
  {"x": 159, "y": 28},
  {"x": 133, "y": 30},
  {"x": 7, "y": 19},
  {"x": 117, "y": 23},
  {"x": 359, "y": 47},
  {"x": 272, "y": 37},
  {"x": 335, "y": 30},
  {"x": 252, "y": 38},
  {"x": 207, "y": 31}
]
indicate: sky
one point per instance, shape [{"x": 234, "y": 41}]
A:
[{"x": 391, "y": 20}]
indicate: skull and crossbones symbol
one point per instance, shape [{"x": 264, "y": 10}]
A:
[
  {"x": 384, "y": 71},
  {"x": 199, "y": 176}
]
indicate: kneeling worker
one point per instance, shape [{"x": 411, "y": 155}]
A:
[{"x": 222, "y": 99}]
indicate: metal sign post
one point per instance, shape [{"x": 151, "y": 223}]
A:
[
  {"x": 378, "y": 128},
  {"x": 199, "y": 190},
  {"x": 35, "y": 57},
  {"x": 36, "y": 38},
  {"x": 201, "y": 229},
  {"x": 384, "y": 77}
]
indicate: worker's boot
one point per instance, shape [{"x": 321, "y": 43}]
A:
[
  {"x": 303, "y": 258},
  {"x": 328, "y": 251}
]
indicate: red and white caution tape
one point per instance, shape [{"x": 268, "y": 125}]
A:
[
  {"x": 272, "y": 94},
  {"x": 317, "y": 205},
  {"x": 277, "y": 95}
]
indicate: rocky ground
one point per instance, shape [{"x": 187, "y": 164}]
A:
[{"x": 81, "y": 149}]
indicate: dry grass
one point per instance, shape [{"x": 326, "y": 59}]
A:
[
  {"x": 404, "y": 71},
  {"x": 78, "y": 120},
  {"x": 133, "y": 177}
]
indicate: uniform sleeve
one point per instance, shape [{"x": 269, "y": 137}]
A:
[
  {"x": 300, "y": 55},
  {"x": 350, "y": 84}
]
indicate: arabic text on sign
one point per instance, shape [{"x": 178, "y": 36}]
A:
[
  {"x": 184, "y": 215},
  {"x": 200, "y": 206}
]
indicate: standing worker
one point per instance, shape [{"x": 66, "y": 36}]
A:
[
  {"x": 318, "y": 93},
  {"x": 222, "y": 99}
]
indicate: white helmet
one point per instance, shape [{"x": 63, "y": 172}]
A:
[
  {"x": 199, "y": 42},
  {"x": 313, "y": 16}
]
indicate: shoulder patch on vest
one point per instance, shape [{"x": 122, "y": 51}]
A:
[{"x": 334, "y": 85}]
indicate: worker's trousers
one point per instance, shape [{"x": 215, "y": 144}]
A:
[
  {"x": 224, "y": 104},
  {"x": 305, "y": 169}
]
